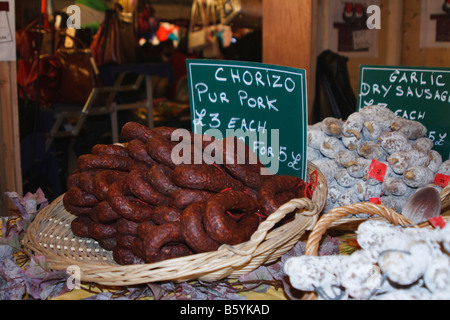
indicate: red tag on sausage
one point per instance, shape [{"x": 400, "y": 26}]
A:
[
  {"x": 437, "y": 222},
  {"x": 377, "y": 170},
  {"x": 441, "y": 180},
  {"x": 375, "y": 200}
]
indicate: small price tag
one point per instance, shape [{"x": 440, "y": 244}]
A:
[
  {"x": 377, "y": 170},
  {"x": 437, "y": 222},
  {"x": 441, "y": 180}
]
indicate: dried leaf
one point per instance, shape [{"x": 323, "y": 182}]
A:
[{"x": 12, "y": 278}]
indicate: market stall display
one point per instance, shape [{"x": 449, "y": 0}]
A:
[{"x": 263, "y": 243}]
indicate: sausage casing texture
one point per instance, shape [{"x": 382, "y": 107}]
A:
[
  {"x": 109, "y": 149},
  {"x": 137, "y": 151},
  {"x": 74, "y": 209},
  {"x": 102, "y": 231},
  {"x": 125, "y": 226},
  {"x": 221, "y": 226},
  {"x": 134, "y": 130},
  {"x": 182, "y": 198},
  {"x": 278, "y": 184},
  {"x": 103, "y": 180},
  {"x": 166, "y": 214},
  {"x": 140, "y": 187},
  {"x": 193, "y": 230},
  {"x": 124, "y": 256},
  {"x": 205, "y": 177},
  {"x": 125, "y": 240},
  {"x": 91, "y": 161},
  {"x": 119, "y": 197},
  {"x": 103, "y": 213},
  {"x": 154, "y": 238},
  {"x": 107, "y": 244},
  {"x": 78, "y": 197},
  {"x": 82, "y": 180},
  {"x": 160, "y": 149},
  {"x": 160, "y": 177},
  {"x": 80, "y": 226}
]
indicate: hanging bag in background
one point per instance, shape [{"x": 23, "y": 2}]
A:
[
  {"x": 127, "y": 37},
  {"x": 212, "y": 48},
  {"x": 115, "y": 40},
  {"x": 27, "y": 41},
  {"x": 40, "y": 78},
  {"x": 79, "y": 74},
  {"x": 105, "y": 45},
  {"x": 111, "y": 41},
  {"x": 197, "y": 34},
  {"x": 241, "y": 14}
]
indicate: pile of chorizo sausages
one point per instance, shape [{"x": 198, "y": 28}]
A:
[{"x": 133, "y": 199}]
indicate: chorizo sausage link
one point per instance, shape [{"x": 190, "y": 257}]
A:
[
  {"x": 78, "y": 197},
  {"x": 133, "y": 130},
  {"x": 109, "y": 149},
  {"x": 103, "y": 213},
  {"x": 160, "y": 177},
  {"x": 154, "y": 238},
  {"x": 223, "y": 228},
  {"x": 120, "y": 199},
  {"x": 194, "y": 232},
  {"x": 204, "y": 177},
  {"x": 91, "y": 161},
  {"x": 137, "y": 151},
  {"x": 273, "y": 185},
  {"x": 182, "y": 198},
  {"x": 80, "y": 226},
  {"x": 142, "y": 189},
  {"x": 103, "y": 180}
]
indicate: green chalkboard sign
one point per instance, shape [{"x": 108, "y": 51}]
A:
[
  {"x": 416, "y": 93},
  {"x": 265, "y": 105}
]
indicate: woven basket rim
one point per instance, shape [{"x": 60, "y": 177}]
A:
[{"x": 96, "y": 265}]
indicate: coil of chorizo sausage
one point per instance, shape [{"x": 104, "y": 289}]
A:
[
  {"x": 137, "y": 151},
  {"x": 80, "y": 226},
  {"x": 103, "y": 180},
  {"x": 140, "y": 187},
  {"x": 193, "y": 230},
  {"x": 221, "y": 226},
  {"x": 160, "y": 177},
  {"x": 155, "y": 238},
  {"x": 267, "y": 195},
  {"x": 182, "y": 198},
  {"x": 121, "y": 201}
]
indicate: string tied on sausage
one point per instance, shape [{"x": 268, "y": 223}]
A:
[
  {"x": 221, "y": 171},
  {"x": 259, "y": 214},
  {"x": 237, "y": 217},
  {"x": 311, "y": 186}
]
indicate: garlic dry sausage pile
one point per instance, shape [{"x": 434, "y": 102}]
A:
[
  {"x": 394, "y": 263},
  {"x": 136, "y": 201},
  {"x": 344, "y": 150}
]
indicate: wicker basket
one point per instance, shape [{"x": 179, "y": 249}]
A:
[
  {"x": 50, "y": 235},
  {"x": 337, "y": 219}
]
